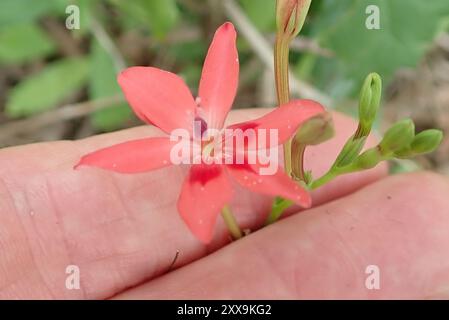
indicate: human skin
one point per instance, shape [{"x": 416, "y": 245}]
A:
[{"x": 123, "y": 231}]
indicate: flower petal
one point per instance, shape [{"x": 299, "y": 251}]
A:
[
  {"x": 285, "y": 119},
  {"x": 204, "y": 193},
  {"x": 219, "y": 78},
  {"x": 159, "y": 97},
  {"x": 132, "y": 156},
  {"x": 275, "y": 184}
]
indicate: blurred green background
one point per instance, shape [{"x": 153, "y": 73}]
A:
[{"x": 57, "y": 83}]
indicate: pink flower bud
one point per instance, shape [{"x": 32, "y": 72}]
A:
[{"x": 290, "y": 16}]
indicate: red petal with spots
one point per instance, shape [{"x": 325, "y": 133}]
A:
[
  {"x": 269, "y": 183},
  {"x": 285, "y": 119},
  {"x": 219, "y": 79},
  {"x": 204, "y": 193},
  {"x": 158, "y": 97},
  {"x": 132, "y": 156}
]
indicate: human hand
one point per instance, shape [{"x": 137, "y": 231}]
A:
[{"x": 123, "y": 231}]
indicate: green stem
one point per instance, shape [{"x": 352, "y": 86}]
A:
[
  {"x": 333, "y": 173},
  {"x": 277, "y": 210},
  {"x": 279, "y": 207},
  {"x": 281, "y": 53},
  {"x": 231, "y": 223},
  {"x": 330, "y": 175}
]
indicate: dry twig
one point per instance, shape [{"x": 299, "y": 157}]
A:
[{"x": 70, "y": 111}]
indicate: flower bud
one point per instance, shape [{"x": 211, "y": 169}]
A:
[
  {"x": 368, "y": 159},
  {"x": 398, "y": 137},
  {"x": 404, "y": 153},
  {"x": 316, "y": 130},
  {"x": 369, "y": 102},
  {"x": 350, "y": 151},
  {"x": 426, "y": 141},
  {"x": 290, "y": 16}
]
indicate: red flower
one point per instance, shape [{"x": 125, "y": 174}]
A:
[{"x": 161, "y": 98}]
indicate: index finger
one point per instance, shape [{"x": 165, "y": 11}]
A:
[{"x": 118, "y": 229}]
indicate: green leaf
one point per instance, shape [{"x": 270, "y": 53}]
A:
[
  {"x": 163, "y": 16},
  {"x": 22, "y": 43},
  {"x": 407, "y": 28},
  {"x": 48, "y": 88},
  {"x": 24, "y": 11},
  {"x": 160, "y": 15},
  {"x": 111, "y": 118},
  {"x": 261, "y": 13},
  {"x": 103, "y": 83},
  {"x": 188, "y": 51},
  {"x": 191, "y": 75}
]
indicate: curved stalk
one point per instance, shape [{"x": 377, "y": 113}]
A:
[{"x": 231, "y": 223}]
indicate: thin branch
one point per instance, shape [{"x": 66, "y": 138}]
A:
[
  {"x": 70, "y": 111},
  {"x": 108, "y": 44},
  {"x": 263, "y": 49}
]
